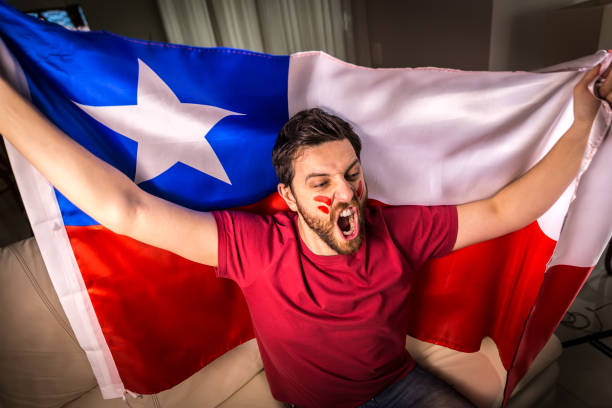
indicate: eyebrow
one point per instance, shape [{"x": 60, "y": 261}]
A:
[{"x": 326, "y": 174}]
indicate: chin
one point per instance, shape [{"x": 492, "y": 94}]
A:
[
  {"x": 330, "y": 229},
  {"x": 348, "y": 247}
]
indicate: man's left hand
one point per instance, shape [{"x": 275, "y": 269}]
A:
[{"x": 585, "y": 104}]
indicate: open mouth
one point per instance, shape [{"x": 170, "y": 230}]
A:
[{"x": 347, "y": 223}]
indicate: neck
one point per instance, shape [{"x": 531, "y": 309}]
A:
[{"x": 312, "y": 239}]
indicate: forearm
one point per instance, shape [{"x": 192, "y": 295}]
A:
[
  {"x": 528, "y": 197},
  {"x": 93, "y": 185}
]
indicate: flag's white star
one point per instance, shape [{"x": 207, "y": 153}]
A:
[{"x": 167, "y": 131}]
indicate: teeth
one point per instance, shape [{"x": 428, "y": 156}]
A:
[{"x": 346, "y": 212}]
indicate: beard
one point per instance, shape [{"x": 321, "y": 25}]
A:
[{"x": 327, "y": 229}]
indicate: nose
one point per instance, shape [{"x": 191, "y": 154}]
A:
[{"x": 344, "y": 192}]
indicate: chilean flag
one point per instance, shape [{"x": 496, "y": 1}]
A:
[{"x": 196, "y": 126}]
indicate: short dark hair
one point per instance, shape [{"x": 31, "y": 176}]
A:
[{"x": 310, "y": 127}]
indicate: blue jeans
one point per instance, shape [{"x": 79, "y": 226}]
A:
[{"x": 419, "y": 388}]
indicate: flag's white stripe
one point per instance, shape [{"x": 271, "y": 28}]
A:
[
  {"x": 579, "y": 64},
  {"x": 46, "y": 220},
  {"x": 446, "y": 136},
  {"x": 551, "y": 221},
  {"x": 588, "y": 226}
]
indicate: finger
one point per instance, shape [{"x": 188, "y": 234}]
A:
[
  {"x": 606, "y": 87},
  {"x": 590, "y": 75}
]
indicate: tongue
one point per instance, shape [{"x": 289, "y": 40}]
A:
[{"x": 344, "y": 223}]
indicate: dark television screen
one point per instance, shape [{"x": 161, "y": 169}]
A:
[{"x": 70, "y": 17}]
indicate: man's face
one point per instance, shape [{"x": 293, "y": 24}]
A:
[{"x": 330, "y": 194}]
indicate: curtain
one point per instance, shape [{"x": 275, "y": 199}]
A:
[{"x": 270, "y": 26}]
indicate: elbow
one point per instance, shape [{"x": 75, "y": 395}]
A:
[
  {"x": 511, "y": 216},
  {"x": 122, "y": 216},
  {"x": 500, "y": 213}
]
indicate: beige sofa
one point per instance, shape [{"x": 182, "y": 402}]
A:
[{"x": 42, "y": 365}]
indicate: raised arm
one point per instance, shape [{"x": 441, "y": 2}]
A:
[
  {"x": 529, "y": 196},
  {"x": 102, "y": 191}
]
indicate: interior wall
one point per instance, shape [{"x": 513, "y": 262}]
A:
[
  {"x": 471, "y": 34},
  {"x": 131, "y": 18},
  {"x": 446, "y": 33},
  {"x": 605, "y": 35},
  {"x": 533, "y": 34}
]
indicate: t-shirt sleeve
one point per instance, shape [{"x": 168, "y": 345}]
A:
[
  {"x": 242, "y": 252},
  {"x": 422, "y": 232}
]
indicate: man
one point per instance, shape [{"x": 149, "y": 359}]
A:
[{"x": 326, "y": 283}]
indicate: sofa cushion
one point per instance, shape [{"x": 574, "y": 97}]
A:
[
  {"x": 479, "y": 376},
  {"x": 531, "y": 394},
  {"x": 218, "y": 381},
  {"x": 255, "y": 394},
  {"x": 41, "y": 363},
  {"x": 93, "y": 399}
]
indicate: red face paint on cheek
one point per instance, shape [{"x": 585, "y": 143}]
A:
[
  {"x": 324, "y": 200},
  {"x": 360, "y": 190},
  {"x": 323, "y": 209}
]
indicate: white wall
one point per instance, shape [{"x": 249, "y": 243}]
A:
[
  {"x": 537, "y": 33},
  {"x": 477, "y": 34},
  {"x": 444, "y": 33},
  {"x": 605, "y": 36}
]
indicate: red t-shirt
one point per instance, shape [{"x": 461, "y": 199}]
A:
[{"x": 331, "y": 330}]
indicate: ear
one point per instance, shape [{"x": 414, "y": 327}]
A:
[{"x": 285, "y": 192}]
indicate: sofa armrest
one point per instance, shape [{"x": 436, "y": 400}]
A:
[
  {"x": 479, "y": 376},
  {"x": 41, "y": 363}
]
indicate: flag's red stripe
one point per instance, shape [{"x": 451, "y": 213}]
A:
[
  {"x": 163, "y": 317},
  {"x": 558, "y": 290},
  {"x": 152, "y": 301},
  {"x": 485, "y": 289},
  {"x": 502, "y": 277}
]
